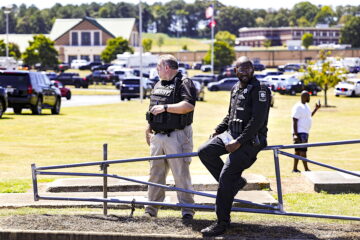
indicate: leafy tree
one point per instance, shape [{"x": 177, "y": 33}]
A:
[
  {"x": 267, "y": 43},
  {"x": 147, "y": 44},
  {"x": 224, "y": 55},
  {"x": 14, "y": 50},
  {"x": 225, "y": 36},
  {"x": 232, "y": 18},
  {"x": 325, "y": 15},
  {"x": 113, "y": 47},
  {"x": 160, "y": 41},
  {"x": 307, "y": 39},
  {"x": 350, "y": 33},
  {"x": 303, "y": 9},
  {"x": 303, "y": 22},
  {"x": 325, "y": 76},
  {"x": 41, "y": 50}
]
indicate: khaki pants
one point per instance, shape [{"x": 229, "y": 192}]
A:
[{"x": 179, "y": 141}]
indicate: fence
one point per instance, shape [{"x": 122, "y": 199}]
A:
[{"x": 261, "y": 208}]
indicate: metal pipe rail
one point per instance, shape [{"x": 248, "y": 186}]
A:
[{"x": 267, "y": 209}]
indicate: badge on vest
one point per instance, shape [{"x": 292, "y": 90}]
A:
[{"x": 262, "y": 96}]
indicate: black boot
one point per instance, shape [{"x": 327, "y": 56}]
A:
[{"x": 215, "y": 229}]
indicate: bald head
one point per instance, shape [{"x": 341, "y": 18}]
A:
[{"x": 243, "y": 60}]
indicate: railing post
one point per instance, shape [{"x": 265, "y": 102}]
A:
[
  {"x": 278, "y": 179},
  {"x": 105, "y": 183},
  {"x": 34, "y": 180}
]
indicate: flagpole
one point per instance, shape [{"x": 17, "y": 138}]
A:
[{"x": 212, "y": 40}]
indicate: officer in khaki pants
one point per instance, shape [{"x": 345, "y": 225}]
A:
[{"x": 169, "y": 131}]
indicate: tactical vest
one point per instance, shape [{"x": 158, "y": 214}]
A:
[{"x": 167, "y": 94}]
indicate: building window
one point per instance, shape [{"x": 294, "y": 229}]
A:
[
  {"x": 74, "y": 39},
  {"x": 85, "y": 39},
  {"x": 96, "y": 38},
  {"x": 97, "y": 58},
  {"x": 85, "y": 57},
  {"x": 71, "y": 57}
]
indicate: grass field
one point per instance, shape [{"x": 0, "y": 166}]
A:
[{"x": 78, "y": 133}]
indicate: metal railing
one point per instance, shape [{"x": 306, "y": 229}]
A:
[{"x": 265, "y": 209}]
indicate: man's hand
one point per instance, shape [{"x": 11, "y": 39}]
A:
[
  {"x": 157, "y": 109},
  {"x": 148, "y": 134},
  {"x": 317, "y": 105},
  {"x": 214, "y": 134},
  {"x": 232, "y": 146}
]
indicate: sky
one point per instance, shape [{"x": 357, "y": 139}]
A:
[{"x": 275, "y": 4}]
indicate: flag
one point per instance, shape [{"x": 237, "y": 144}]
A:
[
  {"x": 209, "y": 11},
  {"x": 212, "y": 23}
]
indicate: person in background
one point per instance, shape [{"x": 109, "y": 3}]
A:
[{"x": 302, "y": 118}]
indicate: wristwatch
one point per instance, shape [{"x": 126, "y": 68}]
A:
[{"x": 165, "y": 107}]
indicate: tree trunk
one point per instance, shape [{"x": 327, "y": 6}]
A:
[{"x": 325, "y": 95}]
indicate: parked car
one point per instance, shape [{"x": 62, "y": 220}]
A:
[
  {"x": 197, "y": 65},
  {"x": 50, "y": 75},
  {"x": 77, "y": 63},
  {"x": 350, "y": 87},
  {"x": 259, "y": 66},
  {"x": 293, "y": 85},
  {"x": 200, "y": 93},
  {"x": 101, "y": 67},
  {"x": 100, "y": 76},
  {"x": 291, "y": 67},
  {"x": 30, "y": 90},
  {"x": 224, "y": 84},
  {"x": 130, "y": 88},
  {"x": 204, "y": 78},
  {"x": 65, "y": 92},
  {"x": 90, "y": 65},
  {"x": 206, "y": 68},
  {"x": 3, "y": 100},
  {"x": 227, "y": 73},
  {"x": 61, "y": 67},
  {"x": 68, "y": 78},
  {"x": 185, "y": 65}
]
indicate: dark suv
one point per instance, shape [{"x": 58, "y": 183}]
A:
[
  {"x": 130, "y": 88},
  {"x": 3, "y": 101},
  {"x": 30, "y": 90},
  {"x": 68, "y": 78}
]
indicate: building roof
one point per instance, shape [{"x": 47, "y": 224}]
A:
[
  {"x": 246, "y": 29},
  {"x": 22, "y": 40},
  {"x": 117, "y": 27}
]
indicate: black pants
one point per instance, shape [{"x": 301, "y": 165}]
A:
[{"x": 228, "y": 174}]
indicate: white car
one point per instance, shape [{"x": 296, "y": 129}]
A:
[
  {"x": 350, "y": 87},
  {"x": 76, "y": 63}
]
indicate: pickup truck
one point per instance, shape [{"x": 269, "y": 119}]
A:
[
  {"x": 3, "y": 101},
  {"x": 72, "y": 79}
]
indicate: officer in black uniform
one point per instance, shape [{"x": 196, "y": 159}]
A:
[
  {"x": 243, "y": 134},
  {"x": 169, "y": 131}
]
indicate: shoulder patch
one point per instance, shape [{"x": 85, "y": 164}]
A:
[{"x": 262, "y": 96}]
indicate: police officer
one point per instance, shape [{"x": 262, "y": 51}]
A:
[
  {"x": 243, "y": 134},
  {"x": 169, "y": 131}
]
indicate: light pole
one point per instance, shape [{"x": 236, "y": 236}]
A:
[
  {"x": 140, "y": 52},
  {"x": 7, "y": 10}
]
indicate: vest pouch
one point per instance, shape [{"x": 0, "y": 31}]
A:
[
  {"x": 240, "y": 113},
  {"x": 149, "y": 116},
  {"x": 157, "y": 118}
]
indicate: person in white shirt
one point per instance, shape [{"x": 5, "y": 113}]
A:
[{"x": 301, "y": 115}]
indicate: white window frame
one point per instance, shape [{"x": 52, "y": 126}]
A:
[{"x": 92, "y": 39}]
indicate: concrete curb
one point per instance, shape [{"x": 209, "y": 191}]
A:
[{"x": 70, "y": 235}]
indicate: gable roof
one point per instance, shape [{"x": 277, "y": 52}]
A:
[{"x": 117, "y": 27}]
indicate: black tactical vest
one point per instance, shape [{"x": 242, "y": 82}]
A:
[{"x": 167, "y": 92}]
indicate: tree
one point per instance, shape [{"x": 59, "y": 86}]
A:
[
  {"x": 267, "y": 43},
  {"x": 224, "y": 55},
  {"x": 14, "y": 50},
  {"x": 350, "y": 33},
  {"x": 326, "y": 76},
  {"x": 325, "y": 15},
  {"x": 304, "y": 9},
  {"x": 41, "y": 50},
  {"x": 147, "y": 44},
  {"x": 113, "y": 47},
  {"x": 160, "y": 41},
  {"x": 307, "y": 39},
  {"x": 225, "y": 36}
]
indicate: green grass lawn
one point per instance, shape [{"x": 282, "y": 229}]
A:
[
  {"x": 78, "y": 133},
  {"x": 172, "y": 44}
]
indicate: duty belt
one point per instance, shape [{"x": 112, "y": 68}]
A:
[{"x": 167, "y": 132}]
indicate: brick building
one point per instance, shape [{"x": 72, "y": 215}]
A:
[
  {"x": 86, "y": 38},
  {"x": 255, "y": 37}
]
